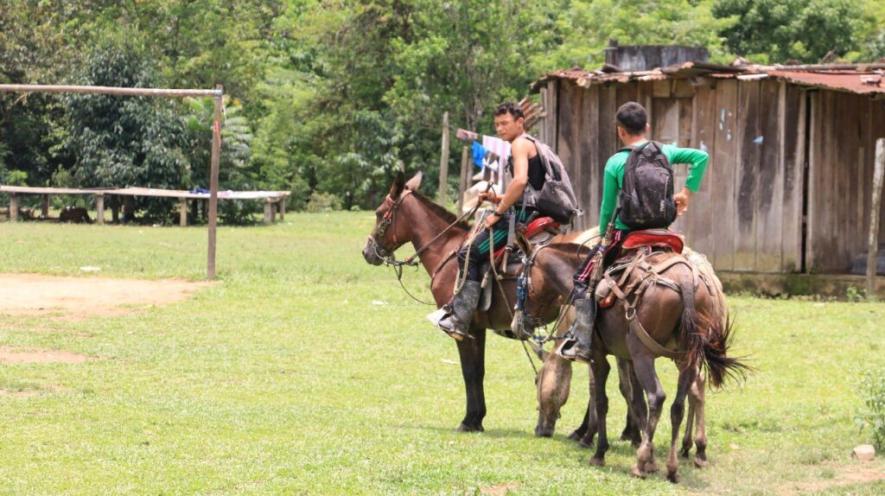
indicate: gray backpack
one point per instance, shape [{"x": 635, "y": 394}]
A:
[{"x": 557, "y": 197}]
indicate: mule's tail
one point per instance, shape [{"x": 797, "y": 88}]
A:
[{"x": 708, "y": 339}]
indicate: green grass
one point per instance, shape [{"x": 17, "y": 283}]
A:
[{"x": 307, "y": 371}]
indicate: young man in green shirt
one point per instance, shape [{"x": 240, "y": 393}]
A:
[{"x": 632, "y": 126}]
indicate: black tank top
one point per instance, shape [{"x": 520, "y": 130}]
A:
[{"x": 536, "y": 171}]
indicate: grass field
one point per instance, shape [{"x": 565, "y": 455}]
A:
[{"x": 306, "y": 371}]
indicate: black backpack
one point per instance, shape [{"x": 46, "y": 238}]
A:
[{"x": 646, "y": 200}]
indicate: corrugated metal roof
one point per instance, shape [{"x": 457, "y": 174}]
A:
[
  {"x": 861, "y": 79},
  {"x": 854, "y": 82}
]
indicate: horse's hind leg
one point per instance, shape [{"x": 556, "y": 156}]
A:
[
  {"x": 644, "y": 366},
  {"x": 677, "y": 411},
  {"x": 631, "y": 390},
  {"x": 700, "y": 438},
  {"x": 689, "y": 421}
]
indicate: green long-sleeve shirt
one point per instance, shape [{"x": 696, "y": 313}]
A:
[{"x": 614, "y": 178}]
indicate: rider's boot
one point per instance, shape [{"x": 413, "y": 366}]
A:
[
  {"x": 457, "y": 323},
  {"x": 576, "y": 345}
]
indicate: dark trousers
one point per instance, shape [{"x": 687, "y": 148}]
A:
[{"x": 476, "y": 254}]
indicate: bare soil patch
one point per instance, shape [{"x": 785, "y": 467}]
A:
[
  {"x": 499, "y": 489},
  {"x": 81, "y": 297},
  {"x": 18, "y": 394},
  {"x": 9, "y": 355},
  {"x": 846, "y": 475}
]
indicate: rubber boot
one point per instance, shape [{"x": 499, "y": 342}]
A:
[
  {"x": 457, "y": 323},
  {"x": 576, "y": 346}
]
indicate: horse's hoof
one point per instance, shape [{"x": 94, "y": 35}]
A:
[
  {"x": 586, "y": 442},
  {"x": 597, "y": 462},
  {"x": 636, "y": 472},
  {"x": 684, "y": 452},
  {"x": 700, "y": 462},
  {"x": 543, "y": 432},
  {"x": 470, "y": 428},
  {"x": 672, "y": 477},
  {"x": 576, "y": 435},
  {"x": 651, "y": 467}
]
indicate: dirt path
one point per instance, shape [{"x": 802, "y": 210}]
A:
[{"x": 81, "y": 297}]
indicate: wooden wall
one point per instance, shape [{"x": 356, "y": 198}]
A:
[
  {"x": 843, "y": 129},
  {"x": 748, "y": 214}
]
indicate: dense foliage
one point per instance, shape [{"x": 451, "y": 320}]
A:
[{"x": 331, "y": 96}]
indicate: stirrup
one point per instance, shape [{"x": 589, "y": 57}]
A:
[{"x": 567, "y": 350}]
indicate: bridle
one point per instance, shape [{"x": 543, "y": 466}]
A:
[
  {"x": 384, "y": 253},
  {"x": 387, "y": 255}
]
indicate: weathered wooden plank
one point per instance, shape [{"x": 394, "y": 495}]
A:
[
  {"x": 877, "y": 130},
  {"x": 569, "y": 100},
  {"x": 813, "y": 215},
  {"x": 792, "y": 122},
  {"x": 725, "y": 162},
  {"x": 552, "y": 109},
  {"x": 749, "y": 155},
  {"x": 876, "y": 206},
  {"x": 589, "y": 152},
  {"x": 608, "y": 135},
  {"x": 542, "y": 127},
  {"x": 704, "y": 207},
  {"x": 769, "y": 187}
]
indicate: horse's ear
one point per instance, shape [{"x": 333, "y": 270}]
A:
[
  {"x": 415, "y": 182},
  {"x": 397, "y": 187}
]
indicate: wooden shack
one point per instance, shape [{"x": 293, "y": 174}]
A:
[{"x": 788, "y": 189}]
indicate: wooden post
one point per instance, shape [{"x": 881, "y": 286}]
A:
[
  {"x": 465, "y": 176},
  {"x": 182, "y": 212},
  {"x": 99, "y": 208},
  {"x": 13, "y": 207},
  {"x": 213, "y": 181},
  {"x": 44, "y": 208},
  {"x": 875, "y": 212},
  {"x": 268, "y": 211},
  {"x": 443, "y": 161},
  {"x": 282, "y": 208}
]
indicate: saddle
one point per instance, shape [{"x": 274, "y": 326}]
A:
[
  {"x": 654, "y": 238},
  {"x": 537, "y": 232}
]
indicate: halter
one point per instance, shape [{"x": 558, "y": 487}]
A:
[
  {"x": 389, "y": 218},
  {"x": 386, "y": 254}
]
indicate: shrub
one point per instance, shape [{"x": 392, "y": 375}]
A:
[
  {"x": 323, "y": 202},
  {"x": 872, "y": 388}
]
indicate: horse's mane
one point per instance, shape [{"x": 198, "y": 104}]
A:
[{"x": 439, "y": 210}]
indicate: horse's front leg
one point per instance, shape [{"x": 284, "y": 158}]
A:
[
  {"x": 472, "y": 355},
  {"x": 600, "y": 368}
]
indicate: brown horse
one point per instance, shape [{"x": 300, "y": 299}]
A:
[
  {"x": 407, "y": 217},
  {"x": 683, "y": 311}
]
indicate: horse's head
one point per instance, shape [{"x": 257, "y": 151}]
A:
[{"x": 390, "y": 231}]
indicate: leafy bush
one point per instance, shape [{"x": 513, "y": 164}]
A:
[
  {"x": 323, "y": 202},
  {"x": 872, "y": 388}
]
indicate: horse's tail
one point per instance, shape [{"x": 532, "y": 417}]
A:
[{"x": 708, "y": 340}]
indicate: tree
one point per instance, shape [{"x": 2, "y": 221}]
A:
[
  {"x": 124, "y": 141},
  {"x": 782, "y": 30}
]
